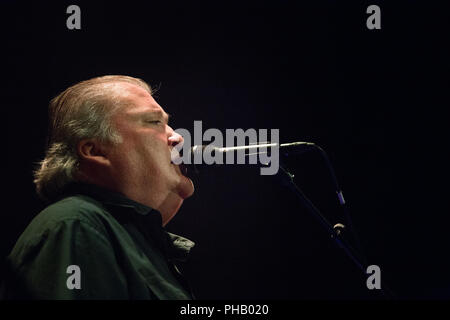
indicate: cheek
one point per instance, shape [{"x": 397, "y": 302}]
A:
[
  {"x": 122, "y": 157},
  {"x": 152, "y": 152},
  {"x": 144, "y": 145}
]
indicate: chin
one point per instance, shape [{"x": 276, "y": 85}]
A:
[{"x": 186, "y": 188}]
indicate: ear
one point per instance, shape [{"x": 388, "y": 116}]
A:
[{"x": 93, "y": 152}]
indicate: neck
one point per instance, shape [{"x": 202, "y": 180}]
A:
[
  {"x": 169, "y": 207},
  {"x": 167, "y": 203}
]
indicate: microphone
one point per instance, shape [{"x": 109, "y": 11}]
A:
[
  {"x": 200, "y": 155},
  {"x": 287, "y": 148}
]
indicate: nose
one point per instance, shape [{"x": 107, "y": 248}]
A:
[{"x": 174, "y": 138}]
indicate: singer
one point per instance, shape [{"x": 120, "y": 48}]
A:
[{"x": 111, "y": 188}]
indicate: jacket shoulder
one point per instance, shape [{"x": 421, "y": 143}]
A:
[
  {"x": 64, "y": 215},
  {"x": 76, "y": 207}
]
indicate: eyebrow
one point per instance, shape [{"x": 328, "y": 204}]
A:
[{"x": 159, "y": 113}]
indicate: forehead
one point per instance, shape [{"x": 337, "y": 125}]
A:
[{"x": 137, "y": 100}]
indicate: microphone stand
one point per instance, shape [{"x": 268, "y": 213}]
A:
[{"x": 334, "y": 231}]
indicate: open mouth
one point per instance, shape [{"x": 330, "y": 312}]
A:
[
  {"x": 175, "y": 157},
  {"x": 183, "y": 168}
]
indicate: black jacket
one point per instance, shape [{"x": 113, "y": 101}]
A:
[{"x": 97, "y": 244}]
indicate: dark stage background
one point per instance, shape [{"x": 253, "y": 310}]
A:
[{"x": 373, "y": 99}]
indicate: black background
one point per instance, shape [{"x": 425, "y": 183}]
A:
[{"x": 375, "y": 100}]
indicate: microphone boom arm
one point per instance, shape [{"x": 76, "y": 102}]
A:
[{"x": 336, "y": 230}]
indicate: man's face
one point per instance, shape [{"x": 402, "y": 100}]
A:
[{"x": 142, "y": 160}]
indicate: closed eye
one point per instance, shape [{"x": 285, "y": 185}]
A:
[{"x": 154, "y": 121}]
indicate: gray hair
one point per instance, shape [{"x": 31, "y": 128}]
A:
[{"x": 80, "y": 112}]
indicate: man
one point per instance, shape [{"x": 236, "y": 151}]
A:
[{"x": 112, "y": 187}]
